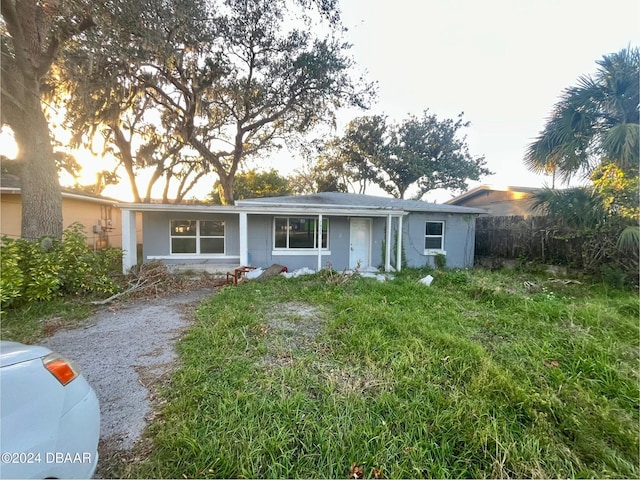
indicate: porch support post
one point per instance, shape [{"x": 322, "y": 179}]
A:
[
  {"x": 319, "y": 241},
  {"x": 129, "y": 244},
  {"x": 399, "y": 246},
  {"x": 387, "y": 256},
  {"x": 244, "y": 242}
]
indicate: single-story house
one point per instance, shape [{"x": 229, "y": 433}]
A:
[
  {"x": 344, "y": 229},
  {"x": 100, "y": 216},
  {"x": 499, "y": 201}
]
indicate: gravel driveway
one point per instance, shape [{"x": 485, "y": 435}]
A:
[{"x": 121, "y": 349}]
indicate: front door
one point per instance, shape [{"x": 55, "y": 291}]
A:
[{"x": 360, "y": 240}]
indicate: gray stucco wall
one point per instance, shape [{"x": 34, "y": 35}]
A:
[
  {"x": 260, "y": 245},
  {"x": 458, "y": 240},
  {"x": 156, "y": 227}
]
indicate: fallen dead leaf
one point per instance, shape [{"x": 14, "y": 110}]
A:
[{"x": 356, "y": 471}]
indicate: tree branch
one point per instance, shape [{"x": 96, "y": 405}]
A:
[
  {"x": 19, "y": 41},
  {"x": 48, "y": 56}
]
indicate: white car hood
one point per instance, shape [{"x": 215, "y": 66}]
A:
[{"x": 14, "y": 352}]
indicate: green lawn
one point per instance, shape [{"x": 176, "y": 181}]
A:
[
  {"x": 479, "y": 375},
  {"x": 31, "y": 322}
]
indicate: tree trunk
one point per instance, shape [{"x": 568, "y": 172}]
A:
[
  {"x": 226, "y": 178},
  {"x": 126, "y": 158},
  {"x": 226, "y": 182},
  {"x": 41, "y": 194},
  {"x": 157, "y": 173}
]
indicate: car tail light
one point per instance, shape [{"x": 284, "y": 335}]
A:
[{"x": 59, "y": 368}]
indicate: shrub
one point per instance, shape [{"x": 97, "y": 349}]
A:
[
  {"x": 440, "y": 261},
  {"x": 42, "y": 270},
  {"x": 614, "y": 276},
  {"x": 11, "y": 276},
  {"x": 91, "y": 272},
  {"x": 452, "y": 278}
]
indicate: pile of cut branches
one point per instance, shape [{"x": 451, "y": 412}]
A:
[
  {"x": 332, "y": 277},
  {"x": 153, "y": 279}
]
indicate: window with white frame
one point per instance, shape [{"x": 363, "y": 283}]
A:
[
  {"x": 299, "y": 232},
  {"x": 199, "y": 237},
  {"x": 434, "y": 237}
]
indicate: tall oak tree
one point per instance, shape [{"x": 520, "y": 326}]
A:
[{"x": 32, "y": 35}]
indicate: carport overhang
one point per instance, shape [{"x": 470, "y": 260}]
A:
[{"x": 129, "y": 211}]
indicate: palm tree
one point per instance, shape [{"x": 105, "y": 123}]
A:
[
  {"x": 579, "y": 207},
  {"x": 596, "y": 122}
]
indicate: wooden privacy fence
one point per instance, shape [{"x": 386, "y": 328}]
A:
[{"x": 531, "y": 238}]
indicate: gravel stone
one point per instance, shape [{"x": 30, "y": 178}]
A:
[{"x": 114, "y": 346}]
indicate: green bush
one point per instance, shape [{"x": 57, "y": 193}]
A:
[
  {"x": 42, "y": 270},
  {"x": 440, "y": 261},
  {"x": 614, "y": 276},
  {"x": 91, "y": 272},
  {"x": 454, "y": 278},
  {"x": 11, "y": 275}
]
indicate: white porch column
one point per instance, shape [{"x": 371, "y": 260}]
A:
[
  {"x": 387, "y": 256},
  {"x": 244, "y": 242},
  {"x": 129, "y": 246},
  {"x": 319, "y": 241},
  {"x": 399, "y": 246}
]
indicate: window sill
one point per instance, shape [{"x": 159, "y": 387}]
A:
[
  {"x": 193, "y": 256},
  {"x": 434, "y": 252},
  {"x": 300, "y": 252}
]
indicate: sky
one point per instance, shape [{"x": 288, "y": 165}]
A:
[{"x": 504, "y": 63}]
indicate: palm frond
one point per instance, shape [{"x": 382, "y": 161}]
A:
[
  {"x": 621, "y": 145},
  {"x": 579, "y": 207},
  {"x": 629, "y": 239},
  {"x": 592, "y": 121}
]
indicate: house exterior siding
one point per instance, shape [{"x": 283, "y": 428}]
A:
[
  {"x": 262, "y": 253},
  {"x": 88, "y": 212},
  {"x": 459, "y": 235},
  {"x": 157, "y": 239},
  {"x": 250, "y": 233},
  {"x": 498, "y": 202}
]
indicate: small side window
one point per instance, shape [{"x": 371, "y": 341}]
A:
[{"x": 434, "y": 236}]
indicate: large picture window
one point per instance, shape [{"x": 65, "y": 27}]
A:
[
  {"x": 299, "y": 232},
  {"x": 197, "y": 236},
  {"x": 434, "y": 236}
]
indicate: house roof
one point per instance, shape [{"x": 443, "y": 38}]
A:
[
  {"x": 354, "y": 200},
  {"x": 474, "y": 192},
  {"x": 326, "y": 203},
  {"x": 265, "y": 209},
  {"x": 8, "y": 180},
  {"x": 10, "y": 184}
]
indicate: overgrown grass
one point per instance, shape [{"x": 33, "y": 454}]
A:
[
  {"x": 31, "y": 322},
  {"x": 479, "y": 375}
]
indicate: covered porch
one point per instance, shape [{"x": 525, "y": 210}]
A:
[{"x": 241, "y": 234}]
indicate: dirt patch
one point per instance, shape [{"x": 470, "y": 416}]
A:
[
  {"x": 293, "y": 332},
  {"x": 292, "y": 326},
  {"x": 491, "y": 340},
  {"x": 353, "y": 380}
]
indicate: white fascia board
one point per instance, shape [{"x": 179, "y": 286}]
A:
[
  {"x": 267, "y": 209},
  {"x": 75, "y": 196},
  {"x": 164, "y": 207}
]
